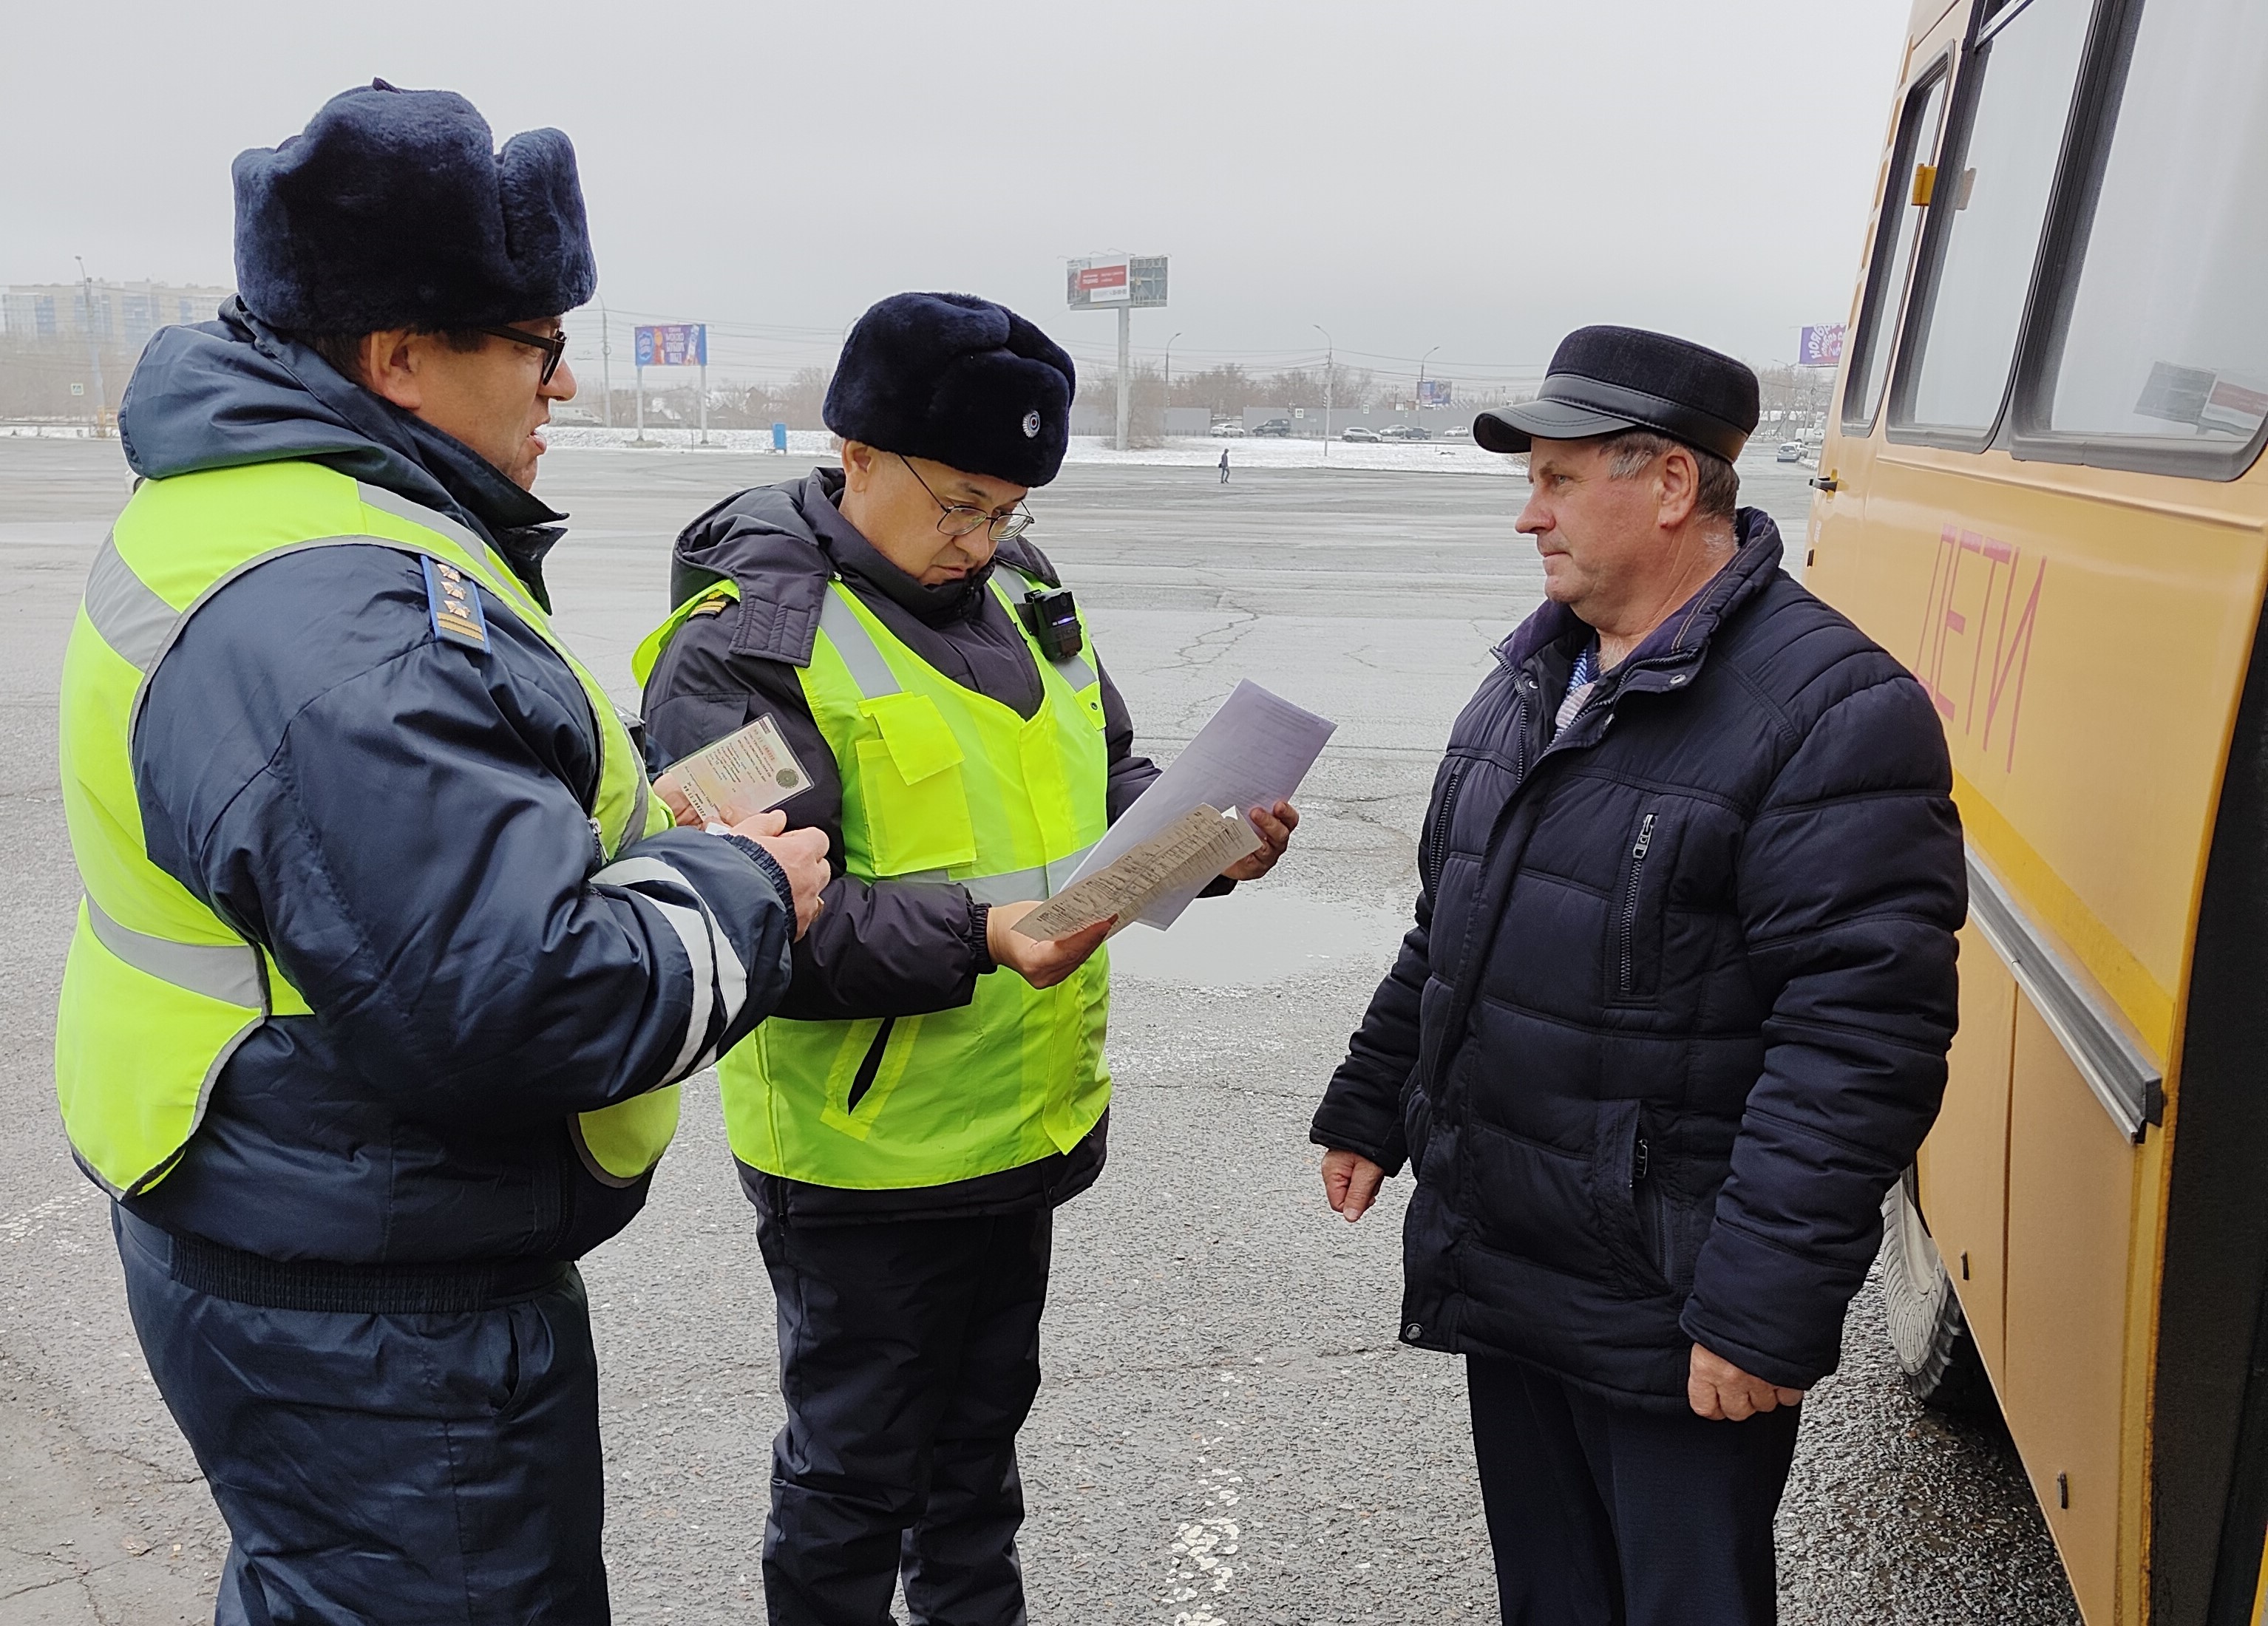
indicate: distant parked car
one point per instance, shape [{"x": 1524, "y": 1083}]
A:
[
  {"x": 1229, "y": 428},
  {"x": 1461, "y": 431},
  {"x": 1405, "y": 431},
  {"x": 1277, "y": 428},
  {"x": 1790, "y": 452},
  {"x": 1356, "y": 431}
]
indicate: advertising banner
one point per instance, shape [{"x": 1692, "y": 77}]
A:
[
  {"x": 1434, "y": 392},
  {"x": 1822, "y": 347},
  {"x": 1105, "y": 282},
  {"x": 1118, "y": 281},
  {"x": 674, "y": 345}
]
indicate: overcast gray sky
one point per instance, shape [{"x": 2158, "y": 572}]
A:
[{"x": 1478, "y": 175}]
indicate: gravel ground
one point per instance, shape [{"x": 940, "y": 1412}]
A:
[{"x": 1229, "y": 1434}]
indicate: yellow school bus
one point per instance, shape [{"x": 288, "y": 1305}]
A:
[{"x": 2042, "y": 489}]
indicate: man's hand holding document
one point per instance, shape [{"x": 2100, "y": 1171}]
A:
[
  {"x": 734, "y": 786},
  {"x": 1174, "y": 841},
  {"x": 742, "y": 775}
]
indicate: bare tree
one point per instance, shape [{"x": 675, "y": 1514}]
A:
[
  {"x": 802, "y": 403},
  {"x": 1224, "y": 391}
]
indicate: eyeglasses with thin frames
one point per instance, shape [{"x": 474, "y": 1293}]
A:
[
  {"x": 958, "y": 520},
  {"x": 554, "y": 347}
]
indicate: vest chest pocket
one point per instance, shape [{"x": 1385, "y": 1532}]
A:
[{"x": 909, "y": 780}]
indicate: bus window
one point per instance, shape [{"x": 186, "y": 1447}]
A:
[
  {"x": 2166, "y": 337},
  {"x": 1911, "y": 176},
  {"x": 2018, "y": 99}
]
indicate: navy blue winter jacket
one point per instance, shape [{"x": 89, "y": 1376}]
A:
[
  {"x": 403, "y": 822},
  {"x": 1675, "y": 1009}
]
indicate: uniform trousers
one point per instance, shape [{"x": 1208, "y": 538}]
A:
[
  {"x": 910, "y": 1356},
  {"x": 408, "y": 1469},
  {"x": 1603, "y": 1513}
]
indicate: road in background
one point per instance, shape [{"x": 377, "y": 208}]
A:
[{"x": 1229, "y": 1434}]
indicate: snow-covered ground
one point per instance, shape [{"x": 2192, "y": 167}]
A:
[{"x": 1453, "y": 457}]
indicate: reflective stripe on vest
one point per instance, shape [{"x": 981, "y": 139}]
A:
[
  {"x": 157, "y": 991},
  {"x": 939, "y": 783}
]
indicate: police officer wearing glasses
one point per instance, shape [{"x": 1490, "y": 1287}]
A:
[
  {"x": 933, "y": 1084},
  {"x": 390, "y": 963}
]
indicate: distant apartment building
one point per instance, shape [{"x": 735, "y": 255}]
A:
[{"x": 123, "y": 314}]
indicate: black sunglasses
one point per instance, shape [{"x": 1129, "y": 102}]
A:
[{"x": 554, "y": 347}]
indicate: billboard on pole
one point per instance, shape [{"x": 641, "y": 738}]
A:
[
  {"x": 1822, "y": 347},
  {"x": 1434, "y": 392},
  {"x": 674, "y": 345},
  {"x": 1136, "y": 282},
  {"x": 1104, "y": 282}
]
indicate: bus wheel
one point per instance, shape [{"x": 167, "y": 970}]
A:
[{"x": 1927, "y": 1330}]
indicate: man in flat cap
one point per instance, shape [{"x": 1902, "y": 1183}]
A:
[
  {"x": 1675, "y": 1011},
  {"x": 389, "y": 962},
  {"x": 933, "y": 1086}
]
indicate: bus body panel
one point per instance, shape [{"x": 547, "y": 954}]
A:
[
  {"x": 2071, "y": 1179},
  {"x": 1963, "y": 1165},
  {"x": 2087, "y": 635}
]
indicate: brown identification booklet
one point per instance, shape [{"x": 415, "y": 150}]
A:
[{"x": 742, "y": 775}]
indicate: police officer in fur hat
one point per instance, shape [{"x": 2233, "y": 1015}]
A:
[
  {"x": 933, "y": 1086},
  {"x": 389, "y": 962}
]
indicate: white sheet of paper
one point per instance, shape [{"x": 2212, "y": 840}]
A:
[
  {"x": 1186, "y": 854},
  {"x": 742, "y": 775},
  {"x": 1254, "y": 753}
]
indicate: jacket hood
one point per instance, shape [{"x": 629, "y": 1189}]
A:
[
  {"x": 781, "y": 544},
  {"x": 234, "y": 392},
  {"x": 1755, "y": 560}
]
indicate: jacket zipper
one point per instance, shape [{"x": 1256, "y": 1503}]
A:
[
  {"x": 1630, "y": 901},
  {"x": 1439, "y": 834},
  {"x": 1653, "y": 1217}
]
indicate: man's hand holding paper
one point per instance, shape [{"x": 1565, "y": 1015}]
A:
[{"x": 735, "y": 786}]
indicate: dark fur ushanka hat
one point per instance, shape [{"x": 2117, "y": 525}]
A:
[
  {"x": 959, "y": 380},
  {"x": 394, "y": 210}
]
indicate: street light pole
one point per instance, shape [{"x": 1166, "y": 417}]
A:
[
  {"x": 605, "y": 366},
  {"x": 1329, "y": 349},
  {"x": 1422, "y": 360},
  {"x": 93, "y": 355},
  {"x": 1169, "y": 376},
  {"x": 1125, "y": 366}
]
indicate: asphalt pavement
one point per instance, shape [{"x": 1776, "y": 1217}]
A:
[{"x": 1229, "y": 1434}]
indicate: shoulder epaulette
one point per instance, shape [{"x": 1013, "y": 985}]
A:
[{"x": 455, "y": 605}]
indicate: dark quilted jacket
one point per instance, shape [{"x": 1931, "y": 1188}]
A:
[{"x": 1676, "y": 1008}]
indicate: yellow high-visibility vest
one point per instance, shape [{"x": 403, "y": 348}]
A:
[
  {"x": 939, "y": 783},
  {"x": 159, "y": 991}
]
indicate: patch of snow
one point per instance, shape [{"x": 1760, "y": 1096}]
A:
[{"x": 1454, "y": 457}]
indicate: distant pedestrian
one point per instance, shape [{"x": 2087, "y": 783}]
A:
[
  {"x": 1674, "y": 1012},
  {"x": 1224, "y": 466}
]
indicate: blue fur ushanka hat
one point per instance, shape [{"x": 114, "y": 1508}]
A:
[
  {"x": 394, "y": 210},
  {"x": 959, "y": 380}
]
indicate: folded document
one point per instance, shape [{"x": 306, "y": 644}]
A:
[{"x": 1182, "y": 858}]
